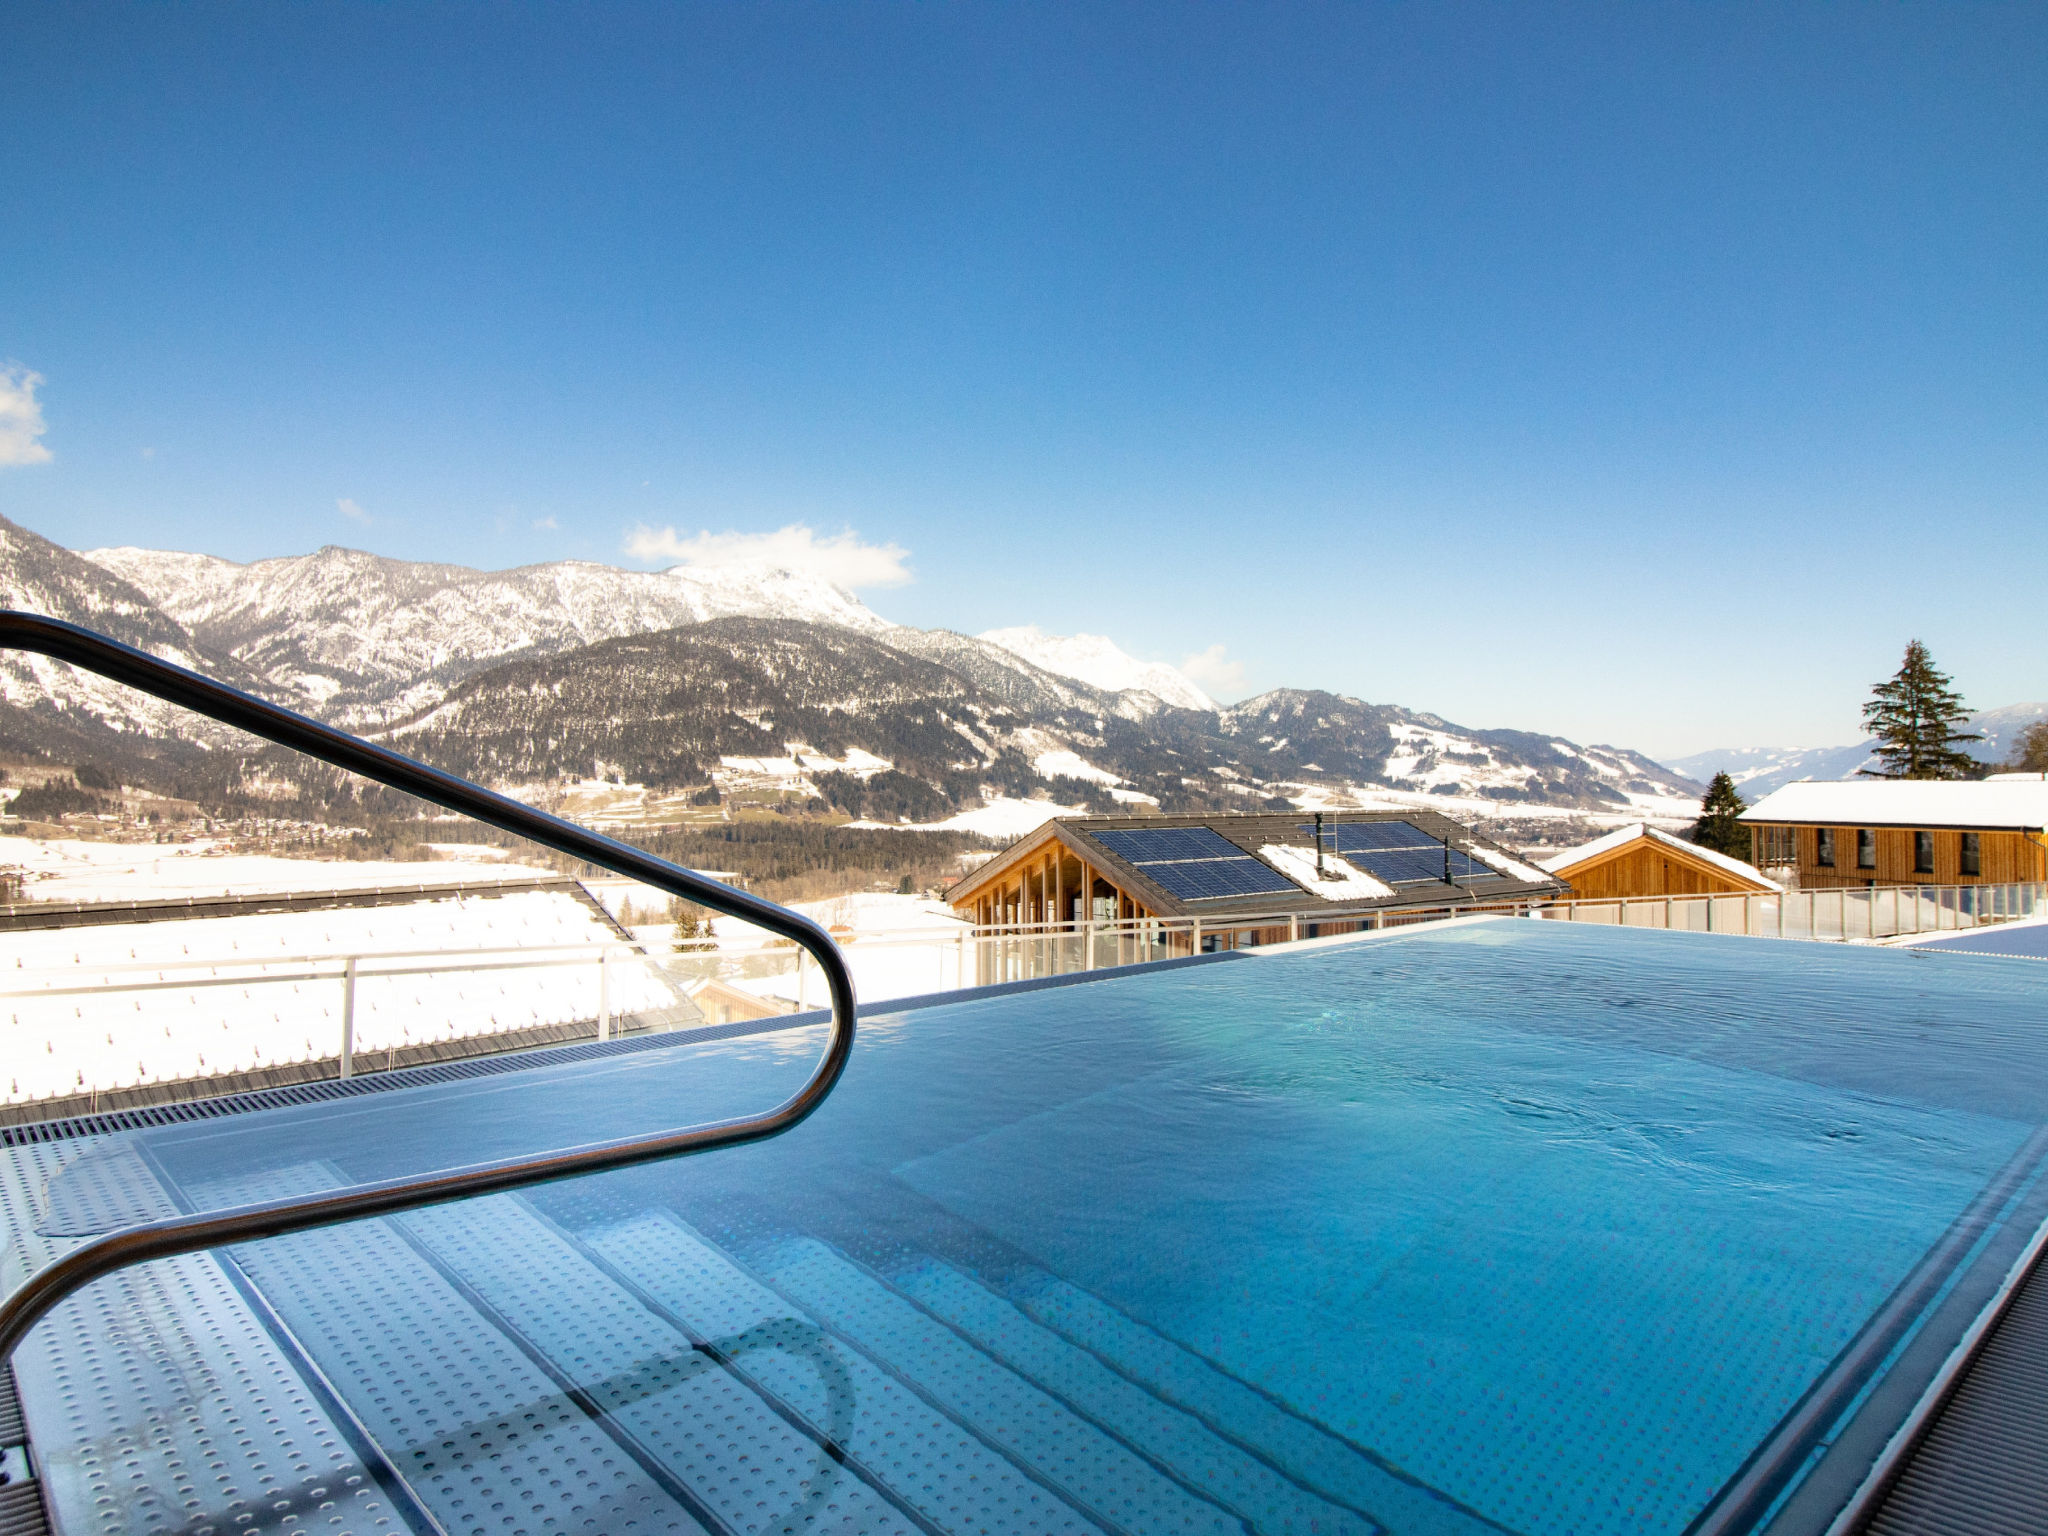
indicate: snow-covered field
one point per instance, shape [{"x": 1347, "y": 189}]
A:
[
  {"x": 118, "y": 1006},
  {"x": 75, "y": 869}
]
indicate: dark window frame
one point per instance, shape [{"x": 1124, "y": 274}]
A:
[
  {"x": 1866, "y": 848},
  {"x": 1972, "y": 861},
  {"x": 1923, "y": 853},
  {"x": 1824, "y": 847}
]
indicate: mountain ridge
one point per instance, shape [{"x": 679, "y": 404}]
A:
[{"x": 425, "y": 653}]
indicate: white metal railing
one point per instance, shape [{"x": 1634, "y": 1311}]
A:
[
  {"x": 349, "y": 970},
  {"x": 1847, "y": 914},
  {"x": 900, "y": 963},
  {"x": 776, "y": 978}
]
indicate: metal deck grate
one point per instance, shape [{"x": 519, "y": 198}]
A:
[{"x": 1982, "y": 1469}]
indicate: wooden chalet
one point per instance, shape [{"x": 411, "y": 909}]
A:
[
  {"x": 1229, "y": 872},
  {"x": 1826, "y": 834},
  {"x": 1642, "y": 861}
]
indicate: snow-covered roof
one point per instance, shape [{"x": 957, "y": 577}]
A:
[
  {"x": 1338, "y": 880},
  {"x": 1621, "y": 837},
  {"x": 2015, "y": 803}
]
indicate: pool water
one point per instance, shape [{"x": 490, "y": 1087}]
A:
[{"x": 1500, "y": 1225}]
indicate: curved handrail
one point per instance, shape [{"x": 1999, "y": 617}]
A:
[{"x": 191, "y": 1233}]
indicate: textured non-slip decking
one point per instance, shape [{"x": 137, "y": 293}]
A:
[{"x": 1982, "y": 1469}]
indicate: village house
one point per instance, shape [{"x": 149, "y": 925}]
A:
[
  {"x": 1823, "y": 834},
  {"x": 1260, "y": 879},
  {"x": 1640, "y": 860}
]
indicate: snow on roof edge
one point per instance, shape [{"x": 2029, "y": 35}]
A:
[
  {"x": 1642, "y": 829},
  {"x": 2019, "y": 804}
]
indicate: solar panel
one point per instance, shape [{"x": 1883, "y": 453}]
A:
[
  {"x": 1195, "y": 863},
  {"x": 1401, "y": 853},
  {"x": 1362, "y": 835}
]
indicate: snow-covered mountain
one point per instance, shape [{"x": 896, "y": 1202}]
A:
[
  {"x": 1100, "y": 662},
  {"x": 361, "y": 637},
  {"x": 575, "y": 669},
  {"x": 38, "y": 576},
  {"x": 753, "y": 704},
  {"x": 1309, "y": 735},
  {"x": 1759, "y": 770}
]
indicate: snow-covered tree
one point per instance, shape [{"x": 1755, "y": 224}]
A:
[
  {"x": 1717, "y": 827},
  {"x": 1914, "y": 714}
]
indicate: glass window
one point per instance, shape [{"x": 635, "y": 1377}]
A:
[
  {"x": 1824, "y": 847},
  {"x": 1973, "y": 854},
  {"x": 1866, "y": 848},
  {"x": 1923, "y": 853}
]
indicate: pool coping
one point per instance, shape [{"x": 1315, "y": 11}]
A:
[{"x": 326, "y": 1090}]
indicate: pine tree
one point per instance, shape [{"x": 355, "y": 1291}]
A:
[
  {"x": 1717, "y": 827},
  {"x": 1914, "y": 715}
]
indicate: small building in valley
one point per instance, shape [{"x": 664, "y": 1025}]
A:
[
  {"x": 1642, "y": 861},
  {"x": 1824, "y": 834},
  {"x": 1262, "y": 877}
]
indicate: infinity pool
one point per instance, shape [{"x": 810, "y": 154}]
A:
[{"x": 1489, "y": 1226}]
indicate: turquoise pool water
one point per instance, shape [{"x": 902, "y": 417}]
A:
[{"x": 1499, "y": 1226}]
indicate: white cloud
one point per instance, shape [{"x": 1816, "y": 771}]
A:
[
  {"x": 840, "y": 558},
  {"x": 21, "y": 416},
  {"x": 351, "y": 511},
  {"x": 546, "y": 524},
  {"x": 1215, "y": 671}
]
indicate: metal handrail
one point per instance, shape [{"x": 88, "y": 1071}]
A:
[{"x": 271, "y": 1218}]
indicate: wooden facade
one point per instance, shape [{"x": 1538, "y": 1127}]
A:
[
  {"x": 1652, "y": 864},
  {"x": 1061, "y": 876},
  {"x": 1900, "y": 855},
  {"x": 1049, "y": 884}
]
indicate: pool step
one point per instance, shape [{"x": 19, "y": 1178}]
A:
[
  {"x": 1320, "y": 1460},
  {"x": 537, "y": 1392},
  {"x": 952, "y": 1476},
  {"x": 1162, "y": 1431},
  {"x": 769, "y": 1361},
  {"x": 483, "y": 1437},
  {"x": 951, "y": 1381},
  {"x": 1094, "y": 1462}
]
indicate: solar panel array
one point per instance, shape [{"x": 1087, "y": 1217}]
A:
[
  {"x": 1401, "y": 854},
  {"x": 1195, "y": 863}
]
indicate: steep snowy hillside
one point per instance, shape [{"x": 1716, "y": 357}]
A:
[
  {"x": 1099, "y": 662},
  {"x": 1308, "y": 735},
  {"x": 40, "y": 577},
  {"x": 362, "y": 637},
  {"x": 1006, "y": 676},
  {"x": 753, "y": 697}
]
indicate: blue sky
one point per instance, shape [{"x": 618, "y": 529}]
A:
[{"x": 1647, "y": 374}]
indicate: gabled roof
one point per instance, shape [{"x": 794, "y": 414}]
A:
[
  {"x": 1990, "y": 805},
  {"x": 1284, "y": 843},
  {"x": 1617, "y": 841}
]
